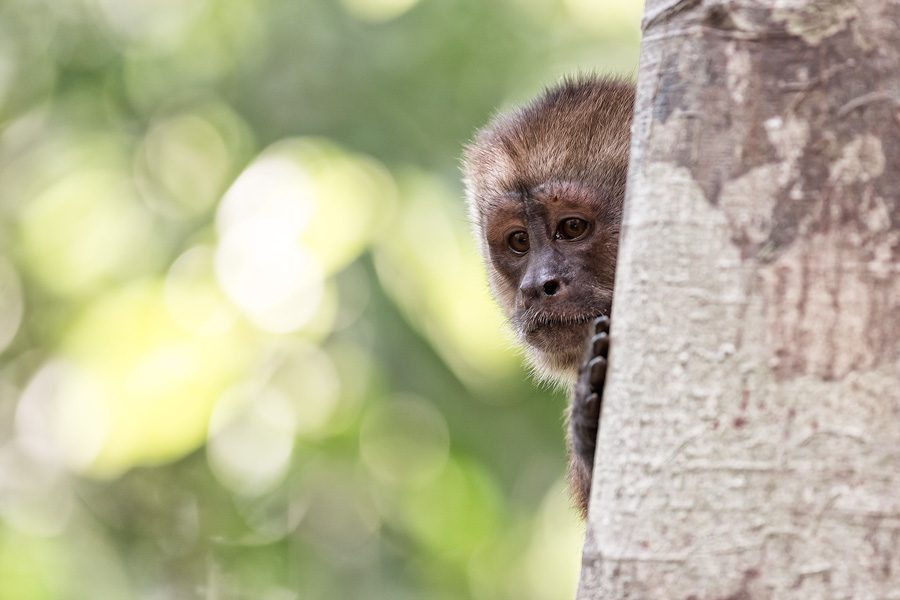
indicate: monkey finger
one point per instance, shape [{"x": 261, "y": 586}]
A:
[
  {"x": 600, "y": 344},
  {"x": 597, "y": 369},
  {"x": 601, "y": 324}
]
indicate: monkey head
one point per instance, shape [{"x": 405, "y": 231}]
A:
[{"x": 545, "y": 185}]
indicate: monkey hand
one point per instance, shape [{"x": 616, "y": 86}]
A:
[{"x": 584, "y": 420}]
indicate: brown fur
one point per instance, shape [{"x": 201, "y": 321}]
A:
[{"x": 565, "y": 152}]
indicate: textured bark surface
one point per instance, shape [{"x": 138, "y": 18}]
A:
[{"x": 750, "y": 438}]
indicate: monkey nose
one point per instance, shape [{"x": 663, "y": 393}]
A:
[{"x": 541, "y": 290}]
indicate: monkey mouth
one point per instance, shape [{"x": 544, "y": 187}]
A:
[
  {"x": 556, "y": 332},
  {"x": 535, "y": 320},
  {"x": 542, "y": 320}
]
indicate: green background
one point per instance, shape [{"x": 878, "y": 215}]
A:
[{"x": 246, "y": 344}]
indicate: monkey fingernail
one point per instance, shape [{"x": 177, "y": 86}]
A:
[
  {"x": 597, "y": 368},
  {"x": 600, "y": 344},
  {"x": 601, "y": 325}
]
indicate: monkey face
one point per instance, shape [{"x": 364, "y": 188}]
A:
[
  {"x": 552, "y": 252},
  {"x": 545, "y": 185}
]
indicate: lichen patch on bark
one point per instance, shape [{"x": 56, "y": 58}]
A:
[
  {"x": 814, "y": 21},
  {"x": 738, "y": 72},
  {"x": 748, "y": 202},
  {"x": 861, "y": 160}
]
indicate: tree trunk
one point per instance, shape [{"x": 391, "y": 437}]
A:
[{"x": 750, "y": 439}]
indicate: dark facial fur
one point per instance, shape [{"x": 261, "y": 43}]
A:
[{"x": 563, "y": 156}]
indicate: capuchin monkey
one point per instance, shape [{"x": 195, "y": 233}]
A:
[{"x": 545, "y": 185}]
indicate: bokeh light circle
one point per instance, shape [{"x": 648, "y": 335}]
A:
[
  {"x": 251, "y": 439},
  {"x": 309, "y": 379},
  {"x": 193, "y": 296},
  {"x": 404, "y": 441},
  {"x": 61, "y": 416}
]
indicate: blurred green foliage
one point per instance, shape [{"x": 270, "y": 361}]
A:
[{"x": 246, "y": 346}]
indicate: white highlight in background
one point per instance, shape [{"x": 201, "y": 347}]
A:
[
  {"x": 193, "y": 297},
  {"x": 260, "y": 263},
  {"x": 61, "y": 418},
  {"x": 251, "y": 439}
]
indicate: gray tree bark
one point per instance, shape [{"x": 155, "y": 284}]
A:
[{"x": 749, "y": 444}]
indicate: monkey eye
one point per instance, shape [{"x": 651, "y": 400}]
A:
[
  {"x": 572, "y": 228},
  {"x": 518, "y": 242}
]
